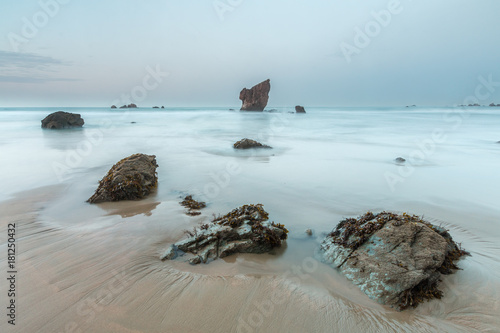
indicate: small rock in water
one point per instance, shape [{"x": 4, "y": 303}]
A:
[
  {"x": 399, "y": 160},
  {"x": 192, "y": 205},
  {"x": 132, "y": 178},
  {"x": 299, "y": 109},
  {"x": 243, "y": 230},
  {"x": 61, "y": 120},
  {"x": 309, "y": 232},
  {"x": 248, "y": 143},
  {"x": 396, "y": 260}
]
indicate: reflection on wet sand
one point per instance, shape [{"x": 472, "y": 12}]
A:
[{"x": 124, "y": 209}]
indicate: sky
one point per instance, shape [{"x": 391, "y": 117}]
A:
[{"x": 202, "y": 53}]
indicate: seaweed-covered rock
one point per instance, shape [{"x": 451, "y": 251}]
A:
[
  {"x": 192, "y": 205},
  {"x": 132, "y": 178},
  {"x": 394, "y": 259},
  {"x": 248, "y": 143},
  {"x": 255, "y": 99},
  {"x": 300, "y": 109},
  {"x": 244, "y": 230},
  {"x": 61, "y": 119}
]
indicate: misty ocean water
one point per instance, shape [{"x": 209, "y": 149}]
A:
[{"x": 325, "y": 165}]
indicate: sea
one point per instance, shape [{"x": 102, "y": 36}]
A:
[{"x": 325, "y": 165}]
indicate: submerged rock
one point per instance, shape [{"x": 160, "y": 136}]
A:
[
  {"x": 248, "y": 143},
  {"x": 255, "y": 99},
  {"x": 399, "y": 160},
  {"x": 300, "y": 109},
  {"x": 244, "y": 230},
  {"x": 61, "y": 119},
  {"x": 394, "y": 259},
  {"x": 132, "y": 178},
  {"x": 192, "y": 205}
]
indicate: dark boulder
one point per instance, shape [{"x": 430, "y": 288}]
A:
[
  {"x": 61, "y": 119},
  {"x": 113, "y": 106},
  {"x": 399, "y": 160},
  {"x": 132, "y": 178},
  {"x": 248, "y": 143},
  {"x": 255, "y": 99},
  {"x": 396, "y": 260},
  {"x": 299, "y": 109},
  {"x": 243, "y": 230}
]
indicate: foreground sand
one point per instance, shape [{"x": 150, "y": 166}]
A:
[{"x": 103, "y": 275}]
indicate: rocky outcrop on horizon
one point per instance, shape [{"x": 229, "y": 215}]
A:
[
  {"x": 61, "y": 120},
  {"x": 255, "y": 99},
  {"x": 493, "y": 104},
  {"x": 113, "y": 106},
  {"x": 248, "y": 143},
  {"x": 243, "y": 230},
  {"x": 132, "y": 178},
  {"x": 396, "y": 260},
  {"x": 130, "y": 106},
  {"x": 299, "y": 109}
]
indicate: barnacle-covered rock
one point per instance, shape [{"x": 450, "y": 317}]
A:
[
  {"x": 243, "y": 230},
  {"x": 394, "y": 259},
  {"x": 132, "y": 178}
]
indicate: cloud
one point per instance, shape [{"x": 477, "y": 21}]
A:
[
  {"x": 19, "y": 67},
  {"x": 28, "y": 79},
  {"x": 27, "y": 60}
]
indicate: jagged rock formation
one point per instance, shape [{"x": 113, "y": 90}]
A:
[
  {"x": 394, "y": 259},
  {"x": 132, "y": 178},
  {"x": 61, "y": 119},
  {"x": 255, "y": 99},
  {"x": 243, "y": 230}
]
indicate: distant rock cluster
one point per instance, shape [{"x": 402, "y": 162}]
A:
[{"x": 130, "y": 106}]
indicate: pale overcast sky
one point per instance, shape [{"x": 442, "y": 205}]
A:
[{"x": 316, "y": 52}]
